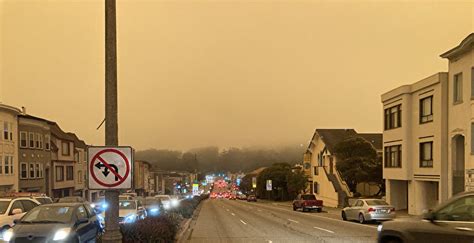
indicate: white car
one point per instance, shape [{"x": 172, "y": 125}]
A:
[
  {"x": 14, "y": 208},
  {"x": 130, "y": 211},
  {"x": 167, "y": 201}
]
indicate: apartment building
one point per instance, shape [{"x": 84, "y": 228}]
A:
[
  {"x": 62, "y": 162},
  {"x": 429, "y": 133},
  {"x": 34, "y": 153},
  {"x": 141, "y": 177},
  {"x": 8, "y": 148},
  {"x": 80, "y": 167},
  {"x": 460, "y": 136},
  {"x": 326, "y": 180},
  {"x": 415, "y": 144}
]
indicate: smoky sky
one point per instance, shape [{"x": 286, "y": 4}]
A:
[{"x": 226, "y": 73}]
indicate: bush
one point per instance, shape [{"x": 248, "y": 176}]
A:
[{"x": 153, "y": 229}]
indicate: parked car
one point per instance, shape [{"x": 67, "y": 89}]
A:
[
  {"x": 364, "y": 210},
  {"x": 43, "y": 199},
  {"x": 243, "y": 197},
  {"x": 251, "y": 198},
  {"x": 72, "y": 199},
  {"x": 14, "y": 208},
  {"x": 130, "y": 211},
  {"x": 59, "y": 222},
  {"x": 307, "y": 202},
  {"x": 232, "y": 197},
  {"x": 451, "y": 221},
  {"x": 100, "y": 205}
]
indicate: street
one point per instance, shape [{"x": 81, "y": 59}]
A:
[{"x": 222, "y": 220}]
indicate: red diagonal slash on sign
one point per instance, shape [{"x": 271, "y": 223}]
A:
[{"x": 110, "y": 168}]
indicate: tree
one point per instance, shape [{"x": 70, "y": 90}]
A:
[
  {"x": 357, "y": 162},
  {"x": 285, "y": 183}
]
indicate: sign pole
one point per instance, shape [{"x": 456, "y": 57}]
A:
[{"x": 112, "y": 230}]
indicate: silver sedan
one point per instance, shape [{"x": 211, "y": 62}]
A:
[{"x": 364, "y": 210}]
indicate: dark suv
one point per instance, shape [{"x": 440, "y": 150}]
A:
[{"x": 452, "y": 221}]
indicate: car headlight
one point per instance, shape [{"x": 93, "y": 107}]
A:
[
  {"x": 154, "y": 210},
  {"x": 166, "y": 205},
  {"x": 92, "y": 205},
  {"x": 174, "y": 202},
  {"x": 62, "y": 234},
  {"x": 130, "y": 219},
  {"x": 7, "y": 235},
  {"x": 379, "y": 228}
]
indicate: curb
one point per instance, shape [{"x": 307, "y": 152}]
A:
[{"x": 186, "y": 228}]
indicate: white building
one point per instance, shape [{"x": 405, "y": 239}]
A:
[
  {"x": 427, "y": 127},
  {"x": 9, "y": 148}
]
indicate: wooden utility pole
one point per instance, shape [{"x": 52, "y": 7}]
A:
[{"x": 112, "y": 229}]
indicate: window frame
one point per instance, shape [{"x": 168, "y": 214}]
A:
[
  {"x": 429, "y": 117},
  {"x": 392, "y": 121},
  {"x": 26, "y": 170},
  {"x": 32, "y": 171},
  {"x": 457, "y": 94},
  {"x": 26, "y": 139},
  {"x": 6, "y": 165},
  {"x": 31, "y": 139},
  {"x": 47, "y": 142},
  {"x": 388, "y": 150},
  {"x": 423, "y": 162},
  {"x": 59, "y": 176},
  {"x": 68, "y": 152},
  {"x": 69, "y": 176}
]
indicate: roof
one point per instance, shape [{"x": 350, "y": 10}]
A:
[
  {"x": 10, "y": 109},
  {"x": 77, "y": 142},
  {"x": 59, "y": 133},
  {"x": 331, "y": 137},
  {"x": 465, "y": 45},
  {"x": 374, "y": 138},
  {"x": 34, "y": 118},
  {"x": 257, "y": 171}
]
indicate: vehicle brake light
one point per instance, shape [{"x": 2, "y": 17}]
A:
[
  {"x": 371, "y": 210},
  {"x": 392, "y": 209}
]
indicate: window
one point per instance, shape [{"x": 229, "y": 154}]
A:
[
  {"x": 426, "y": 154},
  {"x": 76, "y": 157},
  {"x": 5, "y": 130},
  {"x": 28, "y": 205},
  {"x": 40, "y": 141},
  {"x": 69, "y": 173},
  {"x": 426, "y": 109},
  {"x": 23, "y": 170},
  {"x": 11, "y": 165},
  {"x": 37, "y": 138},
  {"x": 316, "y": 187},
  {"x": 23, "y": 140},
  {"x": 393, "y": 117},
  {"x": 65, "y": 148},
  {"x": 32, "y": 170},
  {"x": 37, "y": 170},
  {"x": 81, "y": 213},
  {"x": 41, "y": 169},
  {"x": 457, "y": 88},
  {"x": 7, "y": 165},
  {"x": 459, "y": 210},
  {"x": 79, "y": 176},
  {"x": 1, "y": 165},
  {"x": 15, "y": 205},
  {"x": 393, "y": 156},
  {"x": 47, "y": 141},
  {"x": 59, "y": 173},
  {"x": 31, "y": 140},
  {"x": 316, "y": 171}
]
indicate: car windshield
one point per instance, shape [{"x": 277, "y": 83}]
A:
[
  {"x": 4, "y": 206},
  {"x": 69, "y": 199},
  {"x": 151, "y": 201},
  {"x": 376, "y": 202},
  {"x": 50, "y": 213},
  {"x": 163, "y": 197},
  {"x": 308, "y": 197},
  {"x": 127, "y": 204}
]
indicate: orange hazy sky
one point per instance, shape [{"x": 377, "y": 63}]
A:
[{"x": 227, "y": 73}]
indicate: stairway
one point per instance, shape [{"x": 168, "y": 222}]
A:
[{"x": 342, "y": 197}]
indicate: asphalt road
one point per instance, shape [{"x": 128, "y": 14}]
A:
[{"x": 222, "y": 220}]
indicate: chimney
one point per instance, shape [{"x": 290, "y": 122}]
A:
[{"x": 23, "y": 110}]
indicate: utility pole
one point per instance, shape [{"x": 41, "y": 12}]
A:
[{"x": 112, "y": 230}]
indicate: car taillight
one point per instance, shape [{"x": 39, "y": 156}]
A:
[
  {"x": 371, "y": 210},
  {"x": 392, "y": 209}
]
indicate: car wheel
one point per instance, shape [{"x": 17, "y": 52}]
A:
[
  {"x": 319, "y": 210},
  {"x": 344, "y": 217},
  {"x": 294, "y": 207},
  {"x": 391, "y": 240},
  {"x": 361, "y": 218},
  {"x": 304, "y": 209}
]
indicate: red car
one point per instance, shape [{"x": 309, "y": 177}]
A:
[{"x": 307, "y": 202}]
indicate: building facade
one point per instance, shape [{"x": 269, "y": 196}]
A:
[
  {"x": 415, "y": 144},
  {"x": 429, "y": 135},
  {"x": 9, "y": 148},
  {"x": 62, "y": 162},
  {"x": 34, "y": 154},
  {"x": 80, "y": 167}
]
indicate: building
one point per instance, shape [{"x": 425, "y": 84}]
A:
[
  {"x": 34, "y": 153},
  {"x": 460, "y": 133},
  {"x": 141, "y": 177},
  {"x": 80, "y": 167},
  {"x": 62, "y": 162},
  {"x": 9, "y": 148},
  {"x": 326, "y": 180},
  {"x": 427, "y": 127},
  {"x": 415, "y": 144}
]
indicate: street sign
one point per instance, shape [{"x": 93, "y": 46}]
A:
[
  {"x": 269, "y": 185},
  {"x": 254, "y": 182},
  {"x": 110, "y": 167},
  {"x": 195, "y": 189}
]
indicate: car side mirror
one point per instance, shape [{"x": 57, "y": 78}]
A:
[
  {"x": 16, "y": 221},
  {"x": 429, "y": 215},
  {"x": 16, "y": 211}
]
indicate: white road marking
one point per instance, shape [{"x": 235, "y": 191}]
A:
[
  {"x": 259, "y": 210},
  {"x": 330, "y": 231},
  {"x": 227, "y": 210},
  {"x": 294, "y": 221},
  {"x": 233, "y": 214},
  {"x": 269, "y": 241},
  {"x": 242, "y": 222}
]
